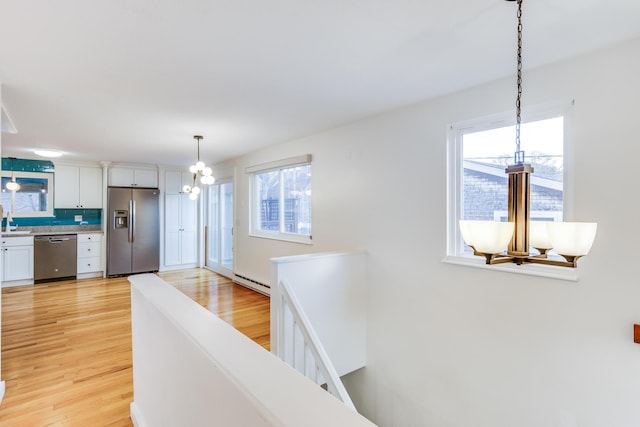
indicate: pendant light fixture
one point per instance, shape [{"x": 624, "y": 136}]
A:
[
  {"x": 202, "y": 174},
  {"x": 12, "y": 185},
  {"x": 501, "y": 242}
]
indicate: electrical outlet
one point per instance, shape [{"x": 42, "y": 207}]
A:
[{"x": 78, "y": 218}]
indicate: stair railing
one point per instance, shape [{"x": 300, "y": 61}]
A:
[{"x": 301, "y": 348}]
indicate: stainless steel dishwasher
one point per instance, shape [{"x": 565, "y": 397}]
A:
[{"x": 55, "y": 257}]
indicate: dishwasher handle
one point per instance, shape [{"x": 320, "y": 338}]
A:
[
  {"x": 59, "y": 239},
  {"x": 51, "y": 239}
]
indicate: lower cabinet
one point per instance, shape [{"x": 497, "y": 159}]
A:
[
  {"x": 17, "y": 260},
  {"x": 180, "y": 237},
  {"x": 89, "y": 255}
]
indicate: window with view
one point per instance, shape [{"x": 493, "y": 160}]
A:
[
  {"x": 483, "y": 153},
  {"x": 282, "y": 202},
  {"x": 33, "y": 197}
]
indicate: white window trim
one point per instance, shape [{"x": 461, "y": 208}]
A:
[
  {"x": 454, "y": 181},
  {"x": 49, "y": 176},
  {"x": 280, "y": 164},
  {"x": 290, "y": 162}
]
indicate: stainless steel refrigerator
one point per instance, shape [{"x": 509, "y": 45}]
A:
[{"x": 133, "y": 232}]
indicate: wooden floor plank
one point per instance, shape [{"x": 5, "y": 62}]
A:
[{"x": 66, "y": 346}]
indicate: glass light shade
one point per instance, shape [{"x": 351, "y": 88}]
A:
[
  {"x": 13, "y": 186},
  {"x": 490, "y": 237},
  {"x": 207, "y": 171},
  {"x": 207, "y": 180},
  {"x": 572, "y": 238},
  {"x": 539, "y": 235},
  {"x": 186, "y": 188},
  {"x": 193, "y": 169},
  {"x": 195, "y": 190},
  {"x": 200, "y": 166},
  {"x": 193, "y": 196}
]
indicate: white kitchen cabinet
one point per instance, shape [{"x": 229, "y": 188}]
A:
[
  {"x": 180, "y": 238},
  {"x": 17, "y": 260},
  {"x": 78, "y": 187},
  {"x": 133, "y": 177},
  {"x": 89, "y": 255},
  {"x": 174, "y": 181}
]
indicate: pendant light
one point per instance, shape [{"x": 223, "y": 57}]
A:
[
  {"x": 501, "y": 242},
  {"x": 202, "y": 174},
  {"x": 12, "y": 185}
]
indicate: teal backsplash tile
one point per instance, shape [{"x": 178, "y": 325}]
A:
[
  {"x": 61, "y": 217},
  {"x": 26, "y": 165}
]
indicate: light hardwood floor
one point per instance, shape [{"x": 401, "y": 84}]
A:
[{"x": 66, "y": 346}]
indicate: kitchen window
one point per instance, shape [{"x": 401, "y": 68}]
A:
[
  {"x": 34, "y": 198},
  {"x": 281, "y": 199}
]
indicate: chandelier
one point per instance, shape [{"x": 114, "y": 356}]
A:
[
  {"x": 501, "y": 242},
  {"x": 202, "y": 174}
]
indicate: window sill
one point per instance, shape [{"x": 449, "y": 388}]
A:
[
  {"x": 305, "y": 240},
  {"x": 548, "y": 271}
]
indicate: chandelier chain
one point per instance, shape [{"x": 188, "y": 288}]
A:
[
  {"x": 198, "y": 138},
  {"x": 519, "y": 84}
]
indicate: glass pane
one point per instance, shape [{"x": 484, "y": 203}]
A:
[
  {"x": 6, "y": 195},
  {"x": 297, "y": 200},
  {"x": 213, "y": 224},
  {"x": 31, "y": 197},
  {"x": 268, "y": 194},
  {"x": 226, "y": 225},
  {"x": 486, "y": 155}
]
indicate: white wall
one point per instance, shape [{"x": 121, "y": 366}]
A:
[
  {"x": 455, "y": 346},
  {"x": 2, "y": 384},
  {"x": 331, "y": 289}
]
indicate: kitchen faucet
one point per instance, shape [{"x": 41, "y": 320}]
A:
[{"x": 9, "y": 221}]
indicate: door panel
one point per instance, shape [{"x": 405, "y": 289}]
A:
[
  {"x": 146, "y": 230},
  {"x": 118, "y": 244},
  {"x": 220, "y": 228},
  {"x": 226, "y": 225},
  {"x": 188, "y": 244}
]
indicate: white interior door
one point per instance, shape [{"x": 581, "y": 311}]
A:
[{"x": 220, "y": 228}]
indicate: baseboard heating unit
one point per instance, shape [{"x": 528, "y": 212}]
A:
[{"x": 252, "y": 284}]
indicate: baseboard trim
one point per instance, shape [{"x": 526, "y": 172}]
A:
[
  {"x": 91, "y": 275},
  {"x": 135, "y": 415},
  {"x": 177, "y": 267}
]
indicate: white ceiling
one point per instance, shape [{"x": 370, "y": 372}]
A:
[{"x": 134, "y": 80}]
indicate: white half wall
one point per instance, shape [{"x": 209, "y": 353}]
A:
[
  {"x": 2, "y": 384},
  {"x": 190, "y": 368},
  {"x": 452, "y": 346},
  {"x": 332, "y": 289}
]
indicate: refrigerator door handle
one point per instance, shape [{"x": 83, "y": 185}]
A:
[
  {"x": 132, "y": 215},
  {"x": 133, "y": 223}
]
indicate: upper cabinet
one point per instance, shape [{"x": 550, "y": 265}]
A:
[
  {"x": 175, "y": 180},
  {"x": 133, "y": 177},
  {"x": 78, "y": 187}
]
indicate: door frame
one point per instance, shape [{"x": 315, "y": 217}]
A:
[{"x": 217, "y": 265}]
